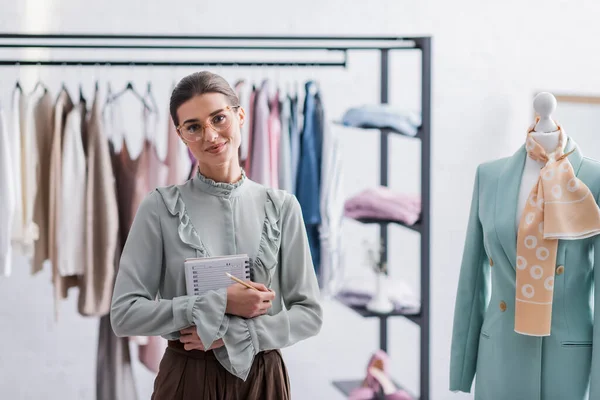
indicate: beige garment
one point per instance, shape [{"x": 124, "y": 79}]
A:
[
  {"x": 177, "y": 160},
  {"x": 560, "y": 206},
  {"x": 71, "y": 221},
  {"x": 101, "y": 221},
  {"x": 63, "y": 106},
  {"x": 44, "y": 123}
]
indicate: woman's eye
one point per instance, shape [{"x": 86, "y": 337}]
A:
[
  {"x": 219, "y": 119},
  {"x": 193, "y": 128}
]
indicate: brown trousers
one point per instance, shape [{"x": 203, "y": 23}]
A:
[{"x": 197, "y": 375}]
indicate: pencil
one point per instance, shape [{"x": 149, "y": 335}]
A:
[{"x": 241, "y": 281}]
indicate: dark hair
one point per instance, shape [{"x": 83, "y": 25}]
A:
[{"x": 197, "y": 84}]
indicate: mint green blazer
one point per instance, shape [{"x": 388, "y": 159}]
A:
[{"x": 507, "y": 365}]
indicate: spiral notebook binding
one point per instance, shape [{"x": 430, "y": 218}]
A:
[{"x": 249, "y": 270}]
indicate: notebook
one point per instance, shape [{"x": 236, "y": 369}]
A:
[{"x": 209, "y": 273}]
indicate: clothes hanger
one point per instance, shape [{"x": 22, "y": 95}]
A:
[
  {"x": 131, "y": 89},
  {"x": 152, "y": 99}
]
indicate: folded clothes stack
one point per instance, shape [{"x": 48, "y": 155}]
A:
[
  {"x": 382, "y": 203},
  {"x": 383, "y": 116},
  {"x": 358, "y": 292}
]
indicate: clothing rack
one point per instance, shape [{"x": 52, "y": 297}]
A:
[{"x": 328, "y": 44}]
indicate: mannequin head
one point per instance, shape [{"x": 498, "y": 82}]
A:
[{"x": 544, "y": 104}]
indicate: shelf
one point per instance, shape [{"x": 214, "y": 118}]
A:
[
  {"x": 347, "y": 386},
  {"x": 363, "y": 312},
  {"x": 389, "y": 130},
  {"x": 417, "y": 227}
]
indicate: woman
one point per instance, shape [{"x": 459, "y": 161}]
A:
[{"x": 223, "y": 344}]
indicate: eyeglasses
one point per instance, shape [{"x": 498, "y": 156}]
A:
[{"x": 194, "y": 130}]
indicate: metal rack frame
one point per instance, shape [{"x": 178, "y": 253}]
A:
[{"x": 338, "y": 44}]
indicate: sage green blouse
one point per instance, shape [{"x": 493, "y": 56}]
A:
[{"x": 202, "y": 218}]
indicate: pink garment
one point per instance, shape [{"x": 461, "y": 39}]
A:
[
  {"x": 260, "y": 168},
  {"x": 152, "y": 352},
  {"x": 382, "y": 203},
  {"x": 250, "y": 120},
  {"x": 274, "y": 138}
]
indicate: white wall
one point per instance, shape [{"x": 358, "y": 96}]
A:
[{"x": 488, "y": 61}]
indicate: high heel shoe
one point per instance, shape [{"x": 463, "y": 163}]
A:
[
  {"x": 370, "y": 386},
  {"x": 390, "y": 391},
  {"x": 379, "y": 360}
]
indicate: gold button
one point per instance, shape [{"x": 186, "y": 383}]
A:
[
  {"x": 502, "y": 306},
  {"x": 491, "y": 262},
  {"x": 560, "y": 269}
]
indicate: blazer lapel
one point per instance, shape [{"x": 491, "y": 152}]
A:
[
  {"x": 576, "y": 159},
  {"x": 507, "y": 194}
]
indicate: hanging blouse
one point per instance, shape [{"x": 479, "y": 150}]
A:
[
  {"x": 274, "y": 138},
  {"x": 332, "y": 212},
  {"x": 285, "y": 155},
  {"x": 71, "y": 223},
  {"x": 295, "y": 131},
  {"x": 7, "y": 198},
  {"x": 29, "y": 172},
  {"x": 18, "y": 104},
  {"x": 62, "y": 108},
  {"x": 101, "y": 221},
  {"x": 43, "y": 120},
  {"x": 261, "y": 150}
]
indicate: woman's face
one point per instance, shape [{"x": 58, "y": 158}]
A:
[{"x": 211, "y": 128}]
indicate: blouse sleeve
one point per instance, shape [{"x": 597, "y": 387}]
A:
[
  {"x": 135, "y": 311},
  {"x": 301, "y": 316}
]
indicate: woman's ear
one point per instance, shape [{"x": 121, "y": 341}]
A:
[{"x": 242, "y": 115}]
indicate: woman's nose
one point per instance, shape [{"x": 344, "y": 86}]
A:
[{"x": 210, "y": 135}]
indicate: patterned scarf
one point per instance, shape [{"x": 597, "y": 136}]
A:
[{"x": 560, "y": 206}]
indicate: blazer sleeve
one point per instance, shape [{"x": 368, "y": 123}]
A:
[
  {"x": 301, "y": 316},
  {"x": 595, "y": 370},
  {"x": 470, "y": 302},
  {"x": 135, "y": 311}
]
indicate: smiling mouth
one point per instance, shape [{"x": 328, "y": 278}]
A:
[{"x": 216, "y": 148}]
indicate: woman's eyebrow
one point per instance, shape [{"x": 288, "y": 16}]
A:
[{"x": 197, "y": 119}]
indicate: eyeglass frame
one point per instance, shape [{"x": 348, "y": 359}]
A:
[{"x": 203, "y": 125}]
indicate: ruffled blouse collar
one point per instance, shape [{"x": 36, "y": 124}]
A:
[{"x": 221, "y": 189}]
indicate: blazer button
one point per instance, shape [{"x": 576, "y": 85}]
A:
[
  {"x": 502, "y": 306},
  {"x": 491, "y": 262},
  {"x": 560, "y": 269}
]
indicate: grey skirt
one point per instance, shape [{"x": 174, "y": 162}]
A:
[{"x": 195, "y": 375}]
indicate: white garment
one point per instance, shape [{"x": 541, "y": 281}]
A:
[
  {"x": 15, "y": 151},
  {"x": 29, "y": 171},
  {"x": 7, "y": 198},
  {"x": 244, "y": 92},
  {"x": 71, "y": 224},
  {"x": 332, "y": 212},
  {"x": 531, "y": 169},
  {"x": 285, "y": 151}
]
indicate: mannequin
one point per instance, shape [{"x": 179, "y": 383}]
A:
[
  {"x": 546, "y": 134},
  {"x": 489, "y": 353}
]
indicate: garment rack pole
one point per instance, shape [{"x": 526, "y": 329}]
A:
[
  {"x": 425, "y": 46},
  {"x": 383, "y": 177},
  {"x": 343, "y": 44},
  {"x": 88, "y": 63}
]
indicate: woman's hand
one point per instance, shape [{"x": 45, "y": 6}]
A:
[
  {"x": 189, "y": 337},
  {"x": 248, "y": 303}
]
